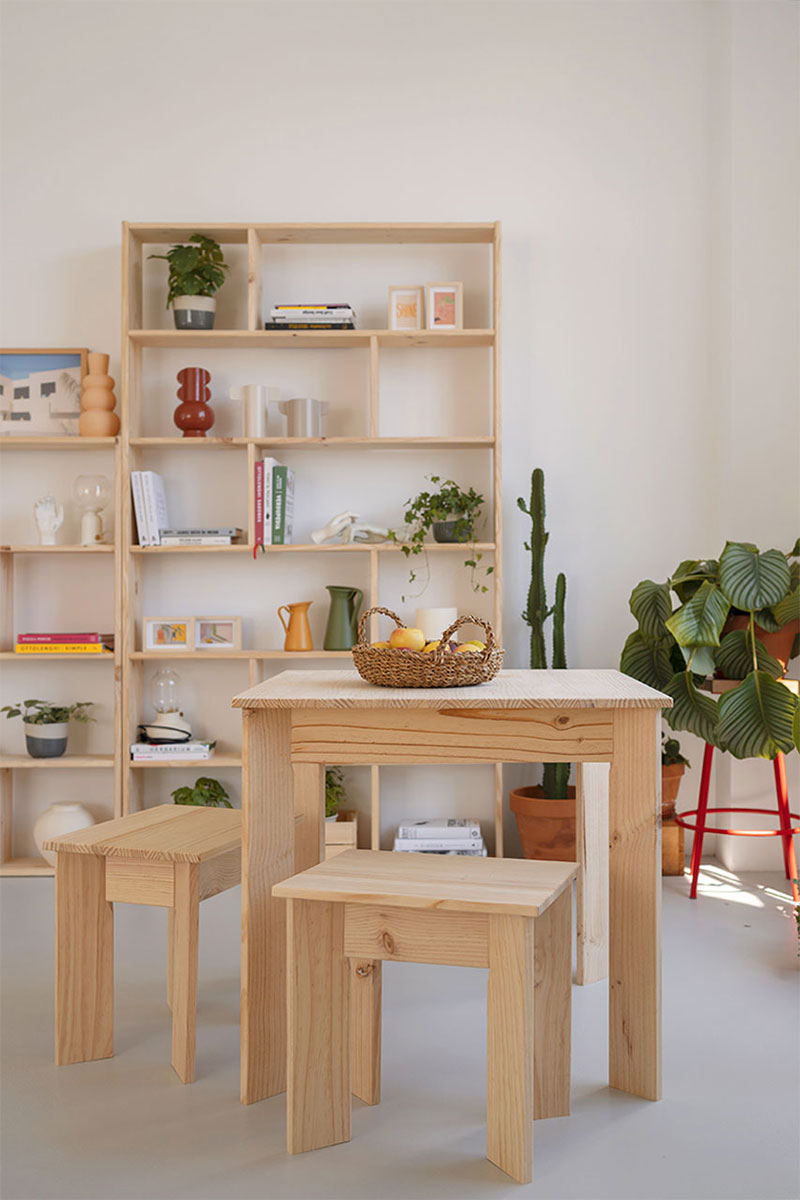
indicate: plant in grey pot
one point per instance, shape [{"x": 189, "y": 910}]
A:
[
  {"x": 451, "y": 514},
  {"x": 47, "y": 725},
  {"x": 196, "y": 272}
]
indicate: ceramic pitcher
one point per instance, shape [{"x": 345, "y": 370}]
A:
[
  {"x": 341, "y": 632},
  {"x": 298, "y": 630},
  {"x": 305, "y": 416}
]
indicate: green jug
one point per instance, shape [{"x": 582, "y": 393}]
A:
[{"x": 341, "y": 632}]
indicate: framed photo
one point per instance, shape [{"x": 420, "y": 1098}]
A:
[
  {"x": 444, "y": 305},
  {"x": 406, "y": 307},
  {"x": 40, "y": 392},
  {"x": 217, "y": 633},
  {"x": 169, "y": 633}
]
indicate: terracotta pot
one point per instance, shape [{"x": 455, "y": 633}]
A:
[
  {"x": 546, "y": 827},
  {"x": 670, "y": 782},
  {"x": 779, "y": 644}
]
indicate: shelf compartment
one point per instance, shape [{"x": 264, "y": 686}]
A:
[
  {"x": 217, "y": 760},
  {"x": 26, "y": 866},
  {"x": 58, "y": 443},
  {"x": 234, "y": 655},
  {"x": 337, "y": 234},
  {"x": 78, "y": 761},
  {"x": 309, "y": 547},
  {"x": 56, "y": 549},
  {"x": 472, "y": 442},
  {"x": 329, "y": 339}
]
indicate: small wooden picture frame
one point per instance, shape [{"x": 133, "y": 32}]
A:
[
  {"x": 174, "y": 634},
  {"x": 217, "y": 633},
  {"x": 406, "y": 307},
  {"x": 444, "y": 305}
]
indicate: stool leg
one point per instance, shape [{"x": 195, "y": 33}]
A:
[
  {"x": 84, "y": 960},
  {"x": 170, "y": 954},
  {"x": 552, "y": 1009},
  {"x": 184, "y": 970},
  {"x": 318, "y": 1044},
  {"x": 782, "y": 791},
  {"x": 365, "y": 1024},
  {"x": 702, "y": 805},
  {"x": 591, "y": 793},
  {"x": 509, "y": 1074}
]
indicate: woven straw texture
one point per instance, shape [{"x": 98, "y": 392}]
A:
[{"x": 440, "y": 668}]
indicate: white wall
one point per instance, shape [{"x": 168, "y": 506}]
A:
[{"x": 642, "y": 157}]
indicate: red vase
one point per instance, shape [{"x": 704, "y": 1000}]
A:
[{"x": 194, "y": 414}]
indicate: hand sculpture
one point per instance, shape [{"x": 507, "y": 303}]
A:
[
  {"x": 49, "y": 518},
  {"x": 350, "y": 528}
]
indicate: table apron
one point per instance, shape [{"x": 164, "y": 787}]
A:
[{"x": 451, "y": 736}]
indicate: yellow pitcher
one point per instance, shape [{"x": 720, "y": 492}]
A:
[{"x": 298, "y": 630}]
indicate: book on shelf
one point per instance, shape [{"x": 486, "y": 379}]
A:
[
  {"x": 440, "y": 827},
  {"x": 308, "y": 325},
  {"x": 231, "y": 531},
  {"x": 198, "y": 540},
  {"x": 311, "y": 316},
  {"x": 149, "y": 506},
  {"x": 273, "y": 516},
  {"x": 65, "y": 643},
  {"x": 188, "y": 750},
  {"x": 427, "y": 844},
  {"x": 416, "y": 849},
  {"x": 48, "y": 638}
]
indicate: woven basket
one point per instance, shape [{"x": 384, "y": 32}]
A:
[{"x": 414, "y": 669}]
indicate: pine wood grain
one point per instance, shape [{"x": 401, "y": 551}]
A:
[
  {"x": 184, "y": 970},
  {"x": 366, "y": 988},
  {"x": 166, "y": 833},
  {"x": 425, "y": 936},
  {"x": 510, "y": 1034},
  {"x": 84, "y": 961},
  {"x": 552, "y": 1001},
  {"x": 591, "y": 795},
  {"x": 132, "y": 882}
]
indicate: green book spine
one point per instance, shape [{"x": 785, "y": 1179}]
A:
[{"x": 282, "y": 505}]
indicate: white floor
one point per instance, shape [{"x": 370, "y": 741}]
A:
[{"x": 727, "y": 1127}]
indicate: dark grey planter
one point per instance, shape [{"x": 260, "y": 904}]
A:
[
  {"x": 194, "y": 312},
  {"x": 46, "y": 741},
  {"x": 445, "y": 531}
]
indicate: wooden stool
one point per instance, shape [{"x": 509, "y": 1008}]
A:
[
  {"x": 473, "y": 912},
  {"x": 173, "y": 856}
]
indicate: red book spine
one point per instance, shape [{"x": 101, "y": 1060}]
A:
[
  {"x": 258, "y": 532},
  {"x": 45, "y": 639}
]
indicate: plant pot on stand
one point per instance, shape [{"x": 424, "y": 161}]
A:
[
  {"x": 46, "y": 741},
  {"x": 546, "y": 827},
  {"x": 672, "y": 844}
]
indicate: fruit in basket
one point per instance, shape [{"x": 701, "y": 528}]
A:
[
  {"x": 379, "y": 645},
  {"x": 431, "y": 646},
  {"x": 407, "y": 639},
  {"x": 467, "y": 648},
  {"x": 476, "y": 643}
]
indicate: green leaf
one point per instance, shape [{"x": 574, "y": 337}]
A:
[
  {"x": 735, "y": 657},
  {"x": 755, "y": 719},
  {"x": 700, "y": 621},
  {"x": 647, "y": 659},
  {"x": 787, "y": 609},
  {"x": 795, "y": 550},
  {"x": 751, "y": 580},
  {"x": 796, "y": 727},
  {"x": 698, "y": 568},
  {"x": 702, "y": 658},
  {"x": 766, "y": 621},
  {"x": 691, "y": 710},
  {"x": 650, "y": 604}
]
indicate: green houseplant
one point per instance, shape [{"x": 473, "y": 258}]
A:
[
  {"x": 451, "y": 514},
  {"x": 206, "y": 792},
  {"x": 546, "y": 814},
  {"x": 736, "y": 618},
  {"x": 673, "y": 765},
  {"x": 335, "y": 793},
  {"x": 196, "y": 272},
  {"x": 46, "y": 724}
]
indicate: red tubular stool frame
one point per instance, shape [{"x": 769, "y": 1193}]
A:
[{"x": 785, "y": 818}]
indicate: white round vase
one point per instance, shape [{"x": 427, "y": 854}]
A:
[{"x": 58, "y": 819}]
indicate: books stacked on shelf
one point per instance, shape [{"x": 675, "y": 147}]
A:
[
  {"x": 442, "y": 835},
  {"x": 149, "y": 506},
  {"x": 221, "y": 535},
  {"x": 273, "y": 518},
  {"x": 171, "y": 751},
  {"x": 65, "y": 643},
  {"x": 311, "y": 316}
]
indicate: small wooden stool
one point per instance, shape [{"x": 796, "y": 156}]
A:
[
  {"x": 474, "y": 912},
  {"x": 173, "y": 856}
]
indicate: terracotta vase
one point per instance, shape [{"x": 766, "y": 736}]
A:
[
  {"x": 194, "y": 414},
  {"x": 671, "y": 777},
  {"x": 98, "y": 418},
  {"x": 546, "y": 827},
  {"x": 297, "y": 629},
  {"x": 779, "y": 644}
]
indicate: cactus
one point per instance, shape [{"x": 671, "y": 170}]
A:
[{"x": 536, "y": 614}]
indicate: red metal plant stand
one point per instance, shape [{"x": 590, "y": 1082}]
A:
[{"x": 785, "y": 818}]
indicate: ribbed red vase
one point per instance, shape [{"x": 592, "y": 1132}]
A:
[{"x": 194, "y": 414}]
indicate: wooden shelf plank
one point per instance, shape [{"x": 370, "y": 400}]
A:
[
  {"x": 8, "y": 655},
  {"x": 471, "y": 442},
  {"x": 56, "y": 549},
  {"x": 26, "y": 866},
  {"x": 236, "y": 655},
  {"x": 337, "y": 233},
  {"x": 329, "y": 339},
  {"x": 57, "y": 443},
  {"x": 217, "y": 760},
  {"x": 77, "y": 761},
  {"x": 307, "y": 548}
]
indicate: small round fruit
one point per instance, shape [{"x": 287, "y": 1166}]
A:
[
  {"x": 430, "y": 647},
  {"x": 474, "y": 642},
  {"x": 466, "y": 648},
  {"x": 407, "y": 639},
  {"x": 380, "y": 645}
]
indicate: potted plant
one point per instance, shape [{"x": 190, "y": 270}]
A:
[
  {"x": 736, "y": 618},
  {"x": 545, "y": 814},
  {"x": 196, "y": 272},
  {"x": 47, "y": 725},
  {"x": 206, "y": 792},
  {"x": 451, "y": 515},
  {"x": 335, "y": 793},
  {"x": 673, "y": 765}
]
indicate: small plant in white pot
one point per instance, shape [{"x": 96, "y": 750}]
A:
[
  {"x": 196, "y": 272},
  {"x": 47, "y": 725},
  {"x": 335, "y": 793}
]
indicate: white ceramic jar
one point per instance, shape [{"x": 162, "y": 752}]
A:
[{"x": 58, "y": 819}]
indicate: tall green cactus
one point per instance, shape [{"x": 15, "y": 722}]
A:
[{"x": 536, "y": 614}]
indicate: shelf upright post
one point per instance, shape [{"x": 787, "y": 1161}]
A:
[
  {"x": 497, "y": 506},
  {"x": 255, "y": 319}
]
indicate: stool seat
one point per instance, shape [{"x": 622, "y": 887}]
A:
[{"x": 168, "y": 833}]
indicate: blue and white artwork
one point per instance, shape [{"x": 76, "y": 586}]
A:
[{"x": 40, "y": 393}]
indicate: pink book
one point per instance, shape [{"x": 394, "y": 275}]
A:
[
  {"x": 258, "y": 532},
  {"x": 50, "y": 638}
]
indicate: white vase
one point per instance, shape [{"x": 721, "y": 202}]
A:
[{"x": 58, "y": 819}]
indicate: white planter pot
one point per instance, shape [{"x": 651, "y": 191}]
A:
[
  {"x": 194, "y": 312},
  {"x": 46, "y": 741},
  {"x": 58, "y": 819}
]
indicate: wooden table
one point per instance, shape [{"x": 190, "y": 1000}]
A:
[{"x": 298, "y": 721}]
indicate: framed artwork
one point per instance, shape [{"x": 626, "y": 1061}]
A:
[
  {"x": 217, "y": 633},
  {"x": 40, "y": 392},
  {"x": 406, "y": 307},
  {"x": 444, "y": 305},
  {"x": 169, "y": 633}
]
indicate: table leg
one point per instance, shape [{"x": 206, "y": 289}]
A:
[
  {"x": 309, "y": 808},
  {"x": 365, "y": 1022},
  {"x": 591, "y": 792},
  {"x": 510, "y": 1033},
  {"x": 635, "y": 905},
  {"x": 552, "y": 1009},
  {"x": 267, "y": 857},
  {"x": 84, "y": 960},
  {"x": 170, "y": 953},
  {"x": 183, "y": 996}
]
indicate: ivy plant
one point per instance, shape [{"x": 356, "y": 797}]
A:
[
  {"x": 194, "y": 270},
  {"x": 206, "y": 792},
  {"x": 447, "y": 501},
  {"x": 42, "y": 712}
]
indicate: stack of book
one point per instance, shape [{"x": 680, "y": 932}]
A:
[
  {"x": 441, "y": 835},
  {"x": 171, "y": 751},
  {"x": 149, "y": 506},
  {"x": 65, "y": 643},
  {"x": 218, "y": 535},
  {"x": 273, "y": 518},
  {"x": 311, "y": 316}
]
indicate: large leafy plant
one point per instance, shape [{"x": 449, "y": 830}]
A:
[
  {"x": 678, "y": 649},
  {"x": 194, "y": 270}
]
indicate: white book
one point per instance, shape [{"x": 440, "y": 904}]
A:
[
  {"x": 200, "y": 540},
  {"x": 463, "y": 853},
  {"x": 440, "y": 827},
  {"x": 423, "y": 844},
  {"x": 155, "y": 503},
  {"x": 171, "y": 749},
  {"x": 139, "y": 508},
  {"x": 266, "y": 531}
]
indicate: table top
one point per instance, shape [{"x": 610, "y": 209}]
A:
[
  {"x": 167, "y": 833},
  {"x": 509, "y": 689},
  {"x": 511, "y": 886}
]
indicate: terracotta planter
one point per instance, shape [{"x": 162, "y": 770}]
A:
[
  {"x": 670, "y": 782},
  {"x": 779, "y": 644},
  {"x": 546, "y": 827}
]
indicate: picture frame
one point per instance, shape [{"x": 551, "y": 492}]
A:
[
  {"x": 217, "y": 633},
  {"x": 444, "y": 305},
  {"x": 40, "y": 392},
  {"x": 175, "y": 634},
  {"x": 406, "y": 307}
]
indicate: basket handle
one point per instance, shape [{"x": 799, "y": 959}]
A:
[
  {"x": 362, "y": 624},
  {"x": 467, "y": 619}
]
